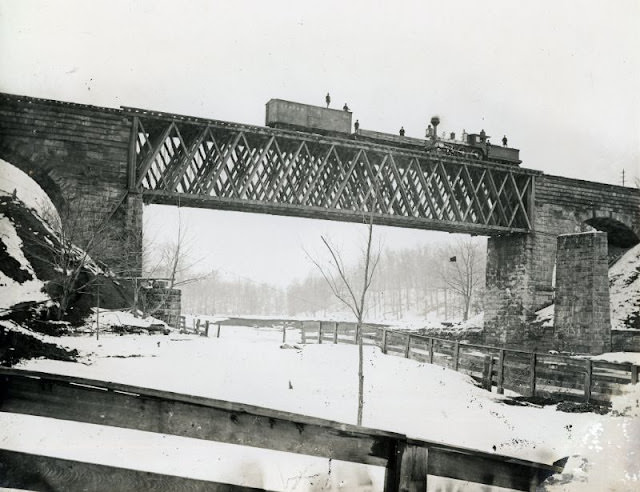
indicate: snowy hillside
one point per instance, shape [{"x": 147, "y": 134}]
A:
[
  {"x": 624, "y": 290},
  {"x": 18, "y": 280}
]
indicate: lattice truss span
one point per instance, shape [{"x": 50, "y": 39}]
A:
[{"x": 239, "y": 167}]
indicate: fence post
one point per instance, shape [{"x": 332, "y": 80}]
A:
[
  {"x": 302, "y": 333},
  {"x": 320, "y": 332},
  {"x": 218, "y": 331},
  {"x": 488, "y": 372},
  {"x": 501, "y": 372},
  {"x": 206, "y": 328},
  {"x": 384, "y": 341},
  {"x": 284, "y": 333},
  {"x": 335, "y": 332},
  {"x": 587, "y": 379},
  {"x": 407, "y": 468},
  {"x": 456, "y": 355},
  {"x": 407, "y": 347},
  {"x": 532, "y": 374},
  {"x": 634, "y": 374},
  {"x": 430, "y": 350}
]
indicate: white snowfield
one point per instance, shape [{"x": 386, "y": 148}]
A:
[{"x": 416, "y": 399}]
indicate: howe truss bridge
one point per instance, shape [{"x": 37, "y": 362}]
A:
[{"x": 198, "y": 162}]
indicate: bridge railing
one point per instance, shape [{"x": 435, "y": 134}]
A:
[{"x": 407, "y": 461}]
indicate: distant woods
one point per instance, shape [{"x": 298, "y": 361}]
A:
[{"x": 444, "y": 281}]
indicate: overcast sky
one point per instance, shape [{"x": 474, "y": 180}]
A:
[{"x": 560, "y": 78}]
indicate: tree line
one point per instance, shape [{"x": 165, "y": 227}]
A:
[{"x": 445, "y": 281}]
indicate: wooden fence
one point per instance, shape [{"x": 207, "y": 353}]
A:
[
  {"x": 532, "y": 374},
  {"x": 407, "y": 462},
  {"x": 527, "y": 373}
]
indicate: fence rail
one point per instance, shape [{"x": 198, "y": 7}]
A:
[
  {"x": 407, "y": 462},
  {"x": 528, "y": 373}
]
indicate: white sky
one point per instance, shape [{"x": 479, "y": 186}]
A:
[{"x": 559, "y": 78}]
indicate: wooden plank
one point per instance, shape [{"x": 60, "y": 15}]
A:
[
  {"x": 532, "y": 374},
  {"x": 384, "y": 341},
  {"x": 188, "y": 416},
  {"x": 150, "y": 410},
  {"x": 456, "y": 355},
  {"x": 431, "y": 350},
  {"x": 587, "y": 379},
  {"x": 35, "y": 472},
  {"x": 335, "y": 332},
  {"x": 413, "y": 469},
  {"x": 407, "y": 348},
  {"x": 485, "y": 469},
  {"x": 634, "y": 374}
]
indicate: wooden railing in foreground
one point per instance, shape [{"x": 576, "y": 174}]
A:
[
  {"x": 528, "y": 373},
  {"x": 407, "y": 461}
]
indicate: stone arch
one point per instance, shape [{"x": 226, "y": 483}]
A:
[
  {"x": 42, "y": 178},
  {"x": 620, "y": 237},
  {"x": 618, "y": 234}
]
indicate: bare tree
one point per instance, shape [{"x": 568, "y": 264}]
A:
[
  {"x": 69, "y": 250},
  {"x": 352, "y": 292},
  {"x": 172, "y": 263},
  {"x": 462, "y": 270}
]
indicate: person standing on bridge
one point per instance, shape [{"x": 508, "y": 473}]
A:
[
  {"x": 504, "y": 141},
  {"x": 328, "y": 99},
  {"x": 345, "y": 107},
  {"x": 402, "y": 131},
  {"x": 356, "y": 126}
]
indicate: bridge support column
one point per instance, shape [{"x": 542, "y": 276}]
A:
[
  {"x": 519, "y": 273},
  {"x": 133, "y": 232},
  {"x": 582, "y": 312}
]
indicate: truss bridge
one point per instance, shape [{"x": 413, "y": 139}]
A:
[{"x": 214, "y": 164}]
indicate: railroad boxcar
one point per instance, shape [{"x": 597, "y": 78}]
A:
[{"x": 305, "y": 117}]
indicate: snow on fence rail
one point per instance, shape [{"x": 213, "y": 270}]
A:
[
  {"x": 527, "y": 373},
  {"x": 407, "y": 462}
]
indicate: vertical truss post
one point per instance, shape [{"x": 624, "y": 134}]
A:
[{"x": 132, "y": 156}]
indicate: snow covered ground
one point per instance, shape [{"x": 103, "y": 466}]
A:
[{"x": 420, "y": 400}]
